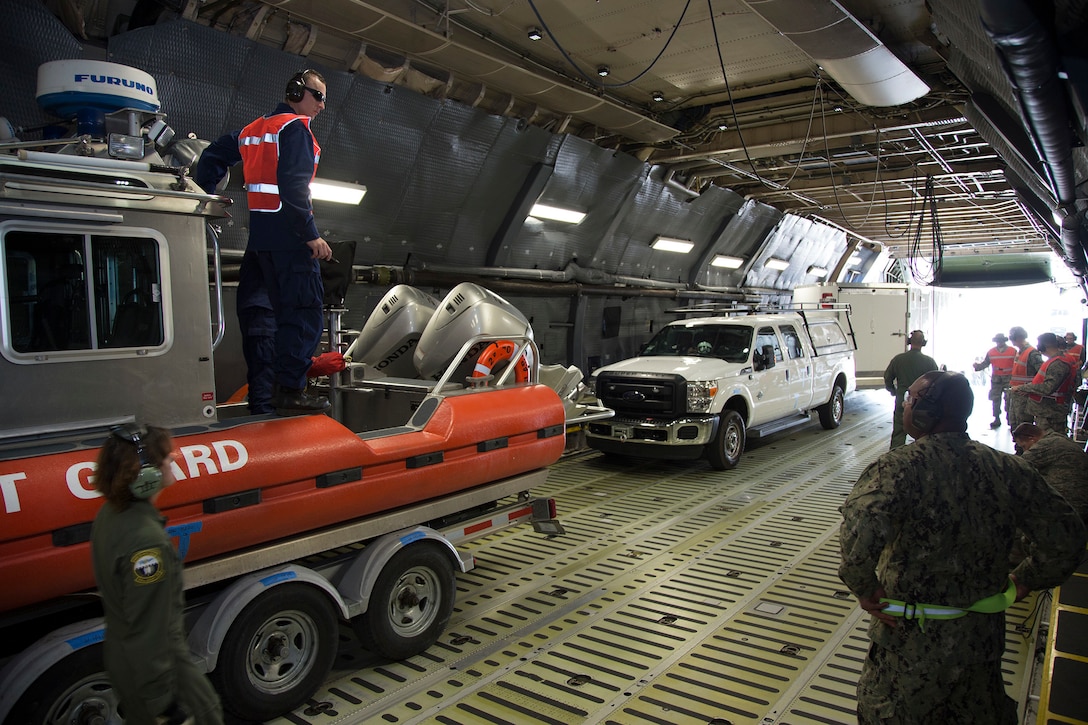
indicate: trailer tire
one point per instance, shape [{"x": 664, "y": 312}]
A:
[
  {"x": 831, "y": 412},
  {"x": 410, "y": 603},
  {"x": 725, "y": 450},
  {"x": 277, "y": 652},
  {"x": 76, "y": 689}
]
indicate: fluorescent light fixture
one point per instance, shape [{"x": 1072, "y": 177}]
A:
[
  {"x": 658, "y": 96},
  {"x": 722, "y": 260},
  {"x": 340, "y": 192},
  {"x": 535, "y": 34},
  {"x": 818, "y": 271},
  {"x": 776, "y": 263},
  {"x": 666, "y": 244},
  {"x": 540, "y": 211},
  {"x": 602, "y": 70}
]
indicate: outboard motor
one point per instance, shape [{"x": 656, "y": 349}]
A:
[
  {"x": 388, "y": 339},
  {"x": 467, "y": 311}
]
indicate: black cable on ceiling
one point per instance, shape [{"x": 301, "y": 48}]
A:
[
  {"x": 936, "y": 251},
  {"x": 729, "y": 91},
  {"x": 910, "y": 212},
  {"x": 591, "y": 78}
]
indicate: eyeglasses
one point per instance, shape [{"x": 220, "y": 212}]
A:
[{"x": 318, "y": 95}]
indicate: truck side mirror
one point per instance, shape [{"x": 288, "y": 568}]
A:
[{"x": 766, "y": 358}]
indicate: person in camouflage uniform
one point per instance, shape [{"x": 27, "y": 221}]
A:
[
  {"x": 932, "y": 524},
  {"x": 1050, "y": 392},
  {"x": 1027, "y": 363},
  {"x": 903, "y": 370},
  {"x": 1063, "y": 463},
  {"x": 139, "y": 577}
]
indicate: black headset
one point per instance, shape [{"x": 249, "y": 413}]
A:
[
  {"x": 928, "y": 410},
  {"x": 149, "y": 480},
  {"x": 296, "y": 87}
]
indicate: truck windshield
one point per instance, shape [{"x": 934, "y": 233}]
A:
[{"x": 731, "y": 343}]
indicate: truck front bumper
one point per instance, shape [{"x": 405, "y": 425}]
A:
[{"x": 665, "y": 438}]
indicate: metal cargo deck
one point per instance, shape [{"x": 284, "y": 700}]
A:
[{"x": 678, "y": 595}]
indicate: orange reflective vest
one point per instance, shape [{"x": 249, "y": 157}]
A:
[
  {"x": 1061, "y": 393},
  {"x": 259, "y": 145},
  {"x": 1002, "y": 361},
  {"x": 1020, "y": 374}
]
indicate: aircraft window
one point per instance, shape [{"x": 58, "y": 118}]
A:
[
  {"x": 793, "y": 342},
  {"x": 766, "y": 336},
  {"x": 68, "y": 291}
]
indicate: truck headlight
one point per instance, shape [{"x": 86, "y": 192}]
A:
[{"x": 701, "y": 394}]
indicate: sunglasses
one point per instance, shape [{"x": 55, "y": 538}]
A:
[{"x": 318, "y": 95}]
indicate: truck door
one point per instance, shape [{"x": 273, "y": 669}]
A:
[
  {"x": 770, "y": 385},
  {"x": 799, "y": 369}
]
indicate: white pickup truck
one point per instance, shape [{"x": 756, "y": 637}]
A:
[{"x": 702, "y": 386}]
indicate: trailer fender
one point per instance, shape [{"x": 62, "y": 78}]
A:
[
  {"x": 359, "y": 576},
  {"x": 25, "y": 668},
  {"x": 207, "y": 635}
]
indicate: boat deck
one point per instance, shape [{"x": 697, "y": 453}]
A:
[{"x": 679, "y": 594}]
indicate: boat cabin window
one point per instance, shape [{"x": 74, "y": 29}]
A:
[{"x": 67, "y": 291}]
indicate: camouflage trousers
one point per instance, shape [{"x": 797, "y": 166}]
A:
[
  {"x": 1050, "y": 416},
  {"x": 894, "y": 691},
  {"x": 1017, "y": 407}
]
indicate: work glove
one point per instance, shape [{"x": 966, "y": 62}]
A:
[{"x": 326, "y": 363}]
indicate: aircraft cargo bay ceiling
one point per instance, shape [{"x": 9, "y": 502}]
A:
[{"x": 880, "y": 117}]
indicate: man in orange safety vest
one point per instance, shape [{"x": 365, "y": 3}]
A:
[{"x": 1000, "y": 358}]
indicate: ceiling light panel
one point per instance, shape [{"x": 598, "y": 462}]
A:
[{"x": 668, "y": 244}]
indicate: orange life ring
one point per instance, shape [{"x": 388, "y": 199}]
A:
[{"x": 498, "y": 352}]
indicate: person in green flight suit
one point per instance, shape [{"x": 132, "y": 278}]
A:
[
  {"x": 903, "y": 370},
  {"x": 925, "y": 541},
  {"x": 139, "y": 577}
]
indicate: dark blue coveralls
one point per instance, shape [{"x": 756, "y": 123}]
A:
[{"x": 279, "y": 289}]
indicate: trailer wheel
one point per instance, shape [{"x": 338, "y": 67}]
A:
[
  {"x": 831, "y": 411},
  {"x": 724, "y": 451},
  {"x": 410, "y": 603},
  {"x": 74, "y": 690},
  {"x": 277, "y": 652}
]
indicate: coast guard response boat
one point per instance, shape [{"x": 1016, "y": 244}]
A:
[{"x": 108, "y": 316}]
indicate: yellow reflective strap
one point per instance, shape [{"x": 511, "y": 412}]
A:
[
  {"x": 921, "y": 612},
  {"x": 997, "y": 602}
]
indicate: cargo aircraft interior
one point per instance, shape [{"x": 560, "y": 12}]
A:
[{"x": 589, "y": 171}]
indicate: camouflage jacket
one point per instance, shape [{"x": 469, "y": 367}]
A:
[
  {"x": 933, "y": 523},
  {"x": 1064, "y": 465}
]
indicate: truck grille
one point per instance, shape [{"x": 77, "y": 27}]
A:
[{"x": 642, "y": 393}]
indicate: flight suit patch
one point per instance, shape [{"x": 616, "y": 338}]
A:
[{"x": 147, "y": 566}]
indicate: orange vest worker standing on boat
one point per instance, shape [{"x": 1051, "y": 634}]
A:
[{"x": 279, "y": 289}]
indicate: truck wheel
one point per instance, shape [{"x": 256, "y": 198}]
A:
[
  {"x": 410, "y": 603},
  {"x": 75, "y": 690},
  {"x": 277, "y": 652},
  {"x": 724, "y": 451},
  {"x": 831, "y": 411}
]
